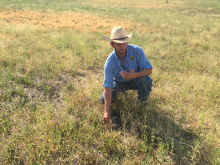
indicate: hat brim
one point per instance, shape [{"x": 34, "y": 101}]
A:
[{"x": 123, "y": 40}]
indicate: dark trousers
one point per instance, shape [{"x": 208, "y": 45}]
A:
[{"x": 143, "y": 85}]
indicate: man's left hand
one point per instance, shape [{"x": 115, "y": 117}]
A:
[{"x": 127, "y": 75}]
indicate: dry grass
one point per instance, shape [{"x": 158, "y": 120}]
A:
[
  {"x": 73, "y": 20},
  {"x": 51, "y": 66}
]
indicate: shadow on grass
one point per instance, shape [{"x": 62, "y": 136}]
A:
[{"x": 149, "y": 123}]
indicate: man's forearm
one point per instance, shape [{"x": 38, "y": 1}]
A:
[
  {"x": 145, "y": 72},
  {"x": 133, "y": 75},
  {"x": 107, "y": 98}
]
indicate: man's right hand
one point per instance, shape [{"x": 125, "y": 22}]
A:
[{"x": 106, "y": 118}]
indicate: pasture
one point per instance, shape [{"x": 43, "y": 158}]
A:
[{"x": 51, "y": 76}]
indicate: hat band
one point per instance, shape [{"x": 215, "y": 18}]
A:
[{"x": 120, "y": 38}]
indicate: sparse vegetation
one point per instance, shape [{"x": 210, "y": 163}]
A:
[{"x": 51, "y": 76}]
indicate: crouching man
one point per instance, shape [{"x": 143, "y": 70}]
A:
[{"x": 127, "y": 67}]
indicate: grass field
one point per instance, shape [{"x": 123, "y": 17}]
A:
[{"x": 51, "y": 76}]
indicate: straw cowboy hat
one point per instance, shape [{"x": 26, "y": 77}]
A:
[{"x": 118, "y": 35}]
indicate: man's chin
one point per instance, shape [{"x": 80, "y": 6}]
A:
[{"x": 121, "y": 53}]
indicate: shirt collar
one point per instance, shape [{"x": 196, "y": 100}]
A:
[{"x": 114, "y": 53}]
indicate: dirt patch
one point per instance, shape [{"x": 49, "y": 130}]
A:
[{"x": 76, "y": 21}]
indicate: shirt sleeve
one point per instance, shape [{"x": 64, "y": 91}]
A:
[
  {"x": 108, "y": 76},
  {"x": 143, "y": 62}
]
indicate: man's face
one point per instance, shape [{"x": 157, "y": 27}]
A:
[{"x": 120, "y": 49}]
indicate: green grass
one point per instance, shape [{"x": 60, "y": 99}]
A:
[{"x": 51, "y": 80}]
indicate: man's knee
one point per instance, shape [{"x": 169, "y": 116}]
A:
[
  {"x": 145, "y": 89},
  {"x": 114, "y": 97},
  {"x": 102, "y": 98},
  {"x": 148, "y": 83}
]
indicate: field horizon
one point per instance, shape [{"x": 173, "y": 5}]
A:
[{"x": 51, "y": 76}]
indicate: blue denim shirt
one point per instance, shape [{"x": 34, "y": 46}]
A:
[{"x": 135, "y": 59}]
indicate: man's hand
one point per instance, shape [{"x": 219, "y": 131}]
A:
[
  {"x": 106, "y": 118},
  {"x": 132, "y": 74},
  {"x": 127, "y": 75}
]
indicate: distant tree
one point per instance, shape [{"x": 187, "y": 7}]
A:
[{"x": 166, "y": 1}]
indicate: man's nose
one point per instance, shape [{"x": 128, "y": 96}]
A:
[{"x": 122, "y": 46}]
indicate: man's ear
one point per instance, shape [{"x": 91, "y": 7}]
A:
[{"x": 112, "y": 44}]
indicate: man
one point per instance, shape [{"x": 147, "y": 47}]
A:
[{"x": 126, "y": 67}]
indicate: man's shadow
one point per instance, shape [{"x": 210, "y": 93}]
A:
[{"x": 151, "y": 123}]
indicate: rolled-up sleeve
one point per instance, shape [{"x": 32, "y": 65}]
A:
[
  {"x": 143, "y": 61},
  {"x": 108, "y": 76}
]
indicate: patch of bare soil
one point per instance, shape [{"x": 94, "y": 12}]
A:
[{"x": 76, "y": 21}]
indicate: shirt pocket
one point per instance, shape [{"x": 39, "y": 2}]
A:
[{"x": 117, "y": 72}]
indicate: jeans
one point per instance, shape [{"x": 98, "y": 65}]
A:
[{"x": 143, "y": 85}]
